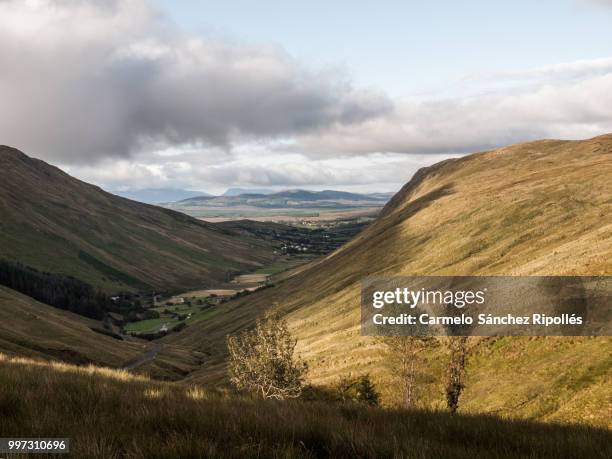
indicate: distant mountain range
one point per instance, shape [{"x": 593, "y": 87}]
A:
[
  {"x": 289, "y": 199},
  {"x": 159, "y": 195},
  {"x": 178, "y": 195},
  {"x": 239, "y": 191}
]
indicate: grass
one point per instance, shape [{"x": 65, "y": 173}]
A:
[
  {"x": 34, "y": 329},
  {"x": 110, "y": 414},
  {"x": 276, "y": 267},
  {"x": 150, "y": 325},
  {"x": 197, "y": 312}
]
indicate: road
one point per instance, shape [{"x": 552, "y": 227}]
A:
[{"x": 148, "y": 356}]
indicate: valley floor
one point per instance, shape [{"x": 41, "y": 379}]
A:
[{"x": 113, "y": 414}]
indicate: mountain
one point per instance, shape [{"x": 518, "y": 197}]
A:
[
  {"x": 325, "y": 195},
  {"x": 285, "y": 197},
  {"x": 539, "y": 208},
  {"x": 56, "y": 223},
  {"x": 288, "y": 199},
  {"x": 158, "y": 195},
  {"x": 386, "y": 196},
  {"x": 239, "y": 191}
]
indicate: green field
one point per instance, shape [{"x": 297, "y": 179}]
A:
[{"x": 197, "y": 312}]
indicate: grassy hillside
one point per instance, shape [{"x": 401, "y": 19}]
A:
[
  {"x": 540, "y": 208},
  {"x": 33, "y": 329},
  {"x": 53, "y": 222},
  {"x": 107, "y": 414}
]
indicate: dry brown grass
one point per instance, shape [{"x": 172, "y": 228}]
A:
[
  {"x": 63, "y": 367},
  {"x": 108, "y": 414}
]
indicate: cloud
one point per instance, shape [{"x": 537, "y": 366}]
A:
[
  {"x": 565, "y": 101},
  {"x": 251, "y": 167},
  {"x": 83, "y": 80},
  {"x": 121, "y": 96}
]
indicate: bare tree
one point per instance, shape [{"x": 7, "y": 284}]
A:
[
  {"x": 456, "y": 366},
  {"x": 407, "y": 356},
  {"x": 262, "y": 360}
]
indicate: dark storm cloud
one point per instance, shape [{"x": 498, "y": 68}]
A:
[{"x": 83, "y": 80}]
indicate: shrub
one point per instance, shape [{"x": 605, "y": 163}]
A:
[
  {"x": 151, "y": 314},
  {"x": 179, "y": 327},
  {"x": 359, "y": 390},
  {"x": 262, "y": 360}
]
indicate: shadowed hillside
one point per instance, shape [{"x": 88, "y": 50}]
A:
[
  {"x": 33, "y": 329},
  {"x": 539, "y": 208},
  {"x": 53, "y": 222}
]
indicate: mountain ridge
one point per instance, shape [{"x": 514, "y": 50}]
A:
[
  {"x": 158, "y": 195},
  {"x": 56, "y": 223}
]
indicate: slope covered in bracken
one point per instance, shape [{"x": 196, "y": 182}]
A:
[{"x": 539, "y": 208}]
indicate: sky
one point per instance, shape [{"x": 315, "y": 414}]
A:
[{"x": 358, "y": 95}]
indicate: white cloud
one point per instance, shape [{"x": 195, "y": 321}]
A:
[
  {"x": 566, "y": 101},
  {"x": 254, "y": 166}
]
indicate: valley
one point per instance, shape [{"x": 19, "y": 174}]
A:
[
  {"x": 293, "y": 246},
  {"x": 209, "y": 280},
  {"x": 305, "y": 230},
  {"x": 120, "y": 263},
  {"x": 553, "y": 201}
]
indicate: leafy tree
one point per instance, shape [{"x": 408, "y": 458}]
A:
[{"x": 262, "y": 360}]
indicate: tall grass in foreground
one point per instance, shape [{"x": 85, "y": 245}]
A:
[{"x": 110, "y": 415}]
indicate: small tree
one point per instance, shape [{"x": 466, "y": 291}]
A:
[
  {"x": 262, "y": 360},
  {"x": 359, "y": 390},
  {"x": 456, "y": 366},
  {"x": 407, "y": 355}
]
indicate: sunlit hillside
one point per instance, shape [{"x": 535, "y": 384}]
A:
[{"x": 540, "y": 208}]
